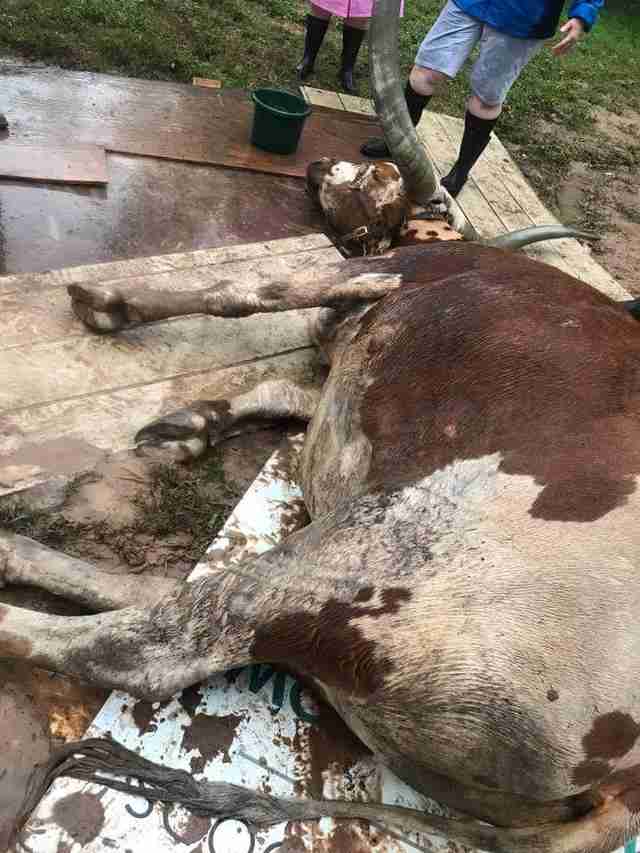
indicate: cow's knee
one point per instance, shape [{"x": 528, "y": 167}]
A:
[{"x": 425, "y": 81}]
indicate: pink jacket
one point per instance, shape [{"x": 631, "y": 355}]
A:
[{"x": 347, "y": 8}]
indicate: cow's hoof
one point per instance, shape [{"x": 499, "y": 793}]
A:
[
  {"x": 101, "y": 309},
  {"x": 179, "y": 436}
]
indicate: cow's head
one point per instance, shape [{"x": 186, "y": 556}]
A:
[{"x": 366, "y": 204}]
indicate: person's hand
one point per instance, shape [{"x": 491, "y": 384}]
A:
[{"x": 574, "y": 30}]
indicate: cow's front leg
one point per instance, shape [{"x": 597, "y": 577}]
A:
[
  {"x": 187, "y": 433},
  {"x": 26, "y": 562},
  {"x": 109, "y": 308}
]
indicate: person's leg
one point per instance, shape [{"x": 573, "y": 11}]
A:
[
  {"x": 4, "y": 124},
  {"x": 353, "y": 33},
  {"x": 498, "y": 66},
  {"x": 316, "y": 29},
  {"x": 440, "y": 56}
]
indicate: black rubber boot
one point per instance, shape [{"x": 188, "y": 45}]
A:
[
  {"x": 4, "y": 124},
  {"x": 477, "y": 133},
  {"x": 351, "y": 42},
  {"x": 416, "y": 104},
  {"x": 315, "y": 33}
]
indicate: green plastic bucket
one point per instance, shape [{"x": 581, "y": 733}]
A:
[{"x": 278, "y": 120}]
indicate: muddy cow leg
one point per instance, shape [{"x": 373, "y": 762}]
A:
[
  {"x": 26, "y": 562},
  {"x": 109, "y": 308},
  {"x": 150, "y": 653},
  {"x": 187, "y": 433}
]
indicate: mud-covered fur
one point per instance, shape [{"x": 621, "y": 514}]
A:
[
  {"x": 366, "y": 204},
  {"x": 466, "y": 593}
]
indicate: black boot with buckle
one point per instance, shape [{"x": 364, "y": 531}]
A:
[
  {"x": 4, "y": 124},
  {"x": 477, "y": 133},
  {"x": 352, "y": 38},
  {"x": 315, "y": 32},
  {"x": 377, "y": 148}
]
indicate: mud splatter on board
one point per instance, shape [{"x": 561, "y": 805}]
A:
[
  {"x": 209, "y": 736},
  {"x": 81, "y": 815}
]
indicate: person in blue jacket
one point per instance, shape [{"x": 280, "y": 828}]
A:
[{"x": 509, "y": 33}]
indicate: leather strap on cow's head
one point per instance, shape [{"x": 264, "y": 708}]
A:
[{"x": 364, "y": 235}]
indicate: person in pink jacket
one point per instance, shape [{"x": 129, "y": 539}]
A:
[{"x": 356, "y": 14}]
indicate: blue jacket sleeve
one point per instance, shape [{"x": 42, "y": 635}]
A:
[{"x": 586, "y": 10}]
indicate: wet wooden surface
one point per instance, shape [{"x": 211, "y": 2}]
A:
[
  {"x": 169, "y": 120},
  {"x": 150, "y": 207},
  {"x": 59, "y": 164}
]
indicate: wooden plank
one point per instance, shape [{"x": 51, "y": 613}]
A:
[
  {"x": 567, "y": 254},
  {"x": 68, "y": 164},
  {"x": 207, "y": 83},
  {"x": 322, "y": 98},
  {"x": 514, "y": 203},
  {"x": 37, "y": 374},
  {"x": 58, "y": 440},
  {"x": 354, "y": 104},
  {"x": 142, "y": 267},
  {"x": 443, "y": 154},
  {"x": 44, "y": 315}
]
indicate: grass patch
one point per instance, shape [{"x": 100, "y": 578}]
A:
[
  {"x": 249, "y": 42},
  {"x": 193, "y": 500}
]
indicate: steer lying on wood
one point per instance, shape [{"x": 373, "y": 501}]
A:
[{"x": 466, "y": 592}]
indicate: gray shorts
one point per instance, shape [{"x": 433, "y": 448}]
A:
[{"x": 502, "y": 57}]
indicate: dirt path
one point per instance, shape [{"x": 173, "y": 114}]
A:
[{"x": 593, "y": 181}]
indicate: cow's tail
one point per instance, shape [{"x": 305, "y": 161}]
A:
[{"x": 600, "y": 831}]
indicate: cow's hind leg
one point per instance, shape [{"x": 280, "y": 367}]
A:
[
  {"x": 198, "y": 629},
  {"x": 25, "y": 562},
  {"x": 187, "y": 433}
]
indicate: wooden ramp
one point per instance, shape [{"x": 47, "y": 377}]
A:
[{"x": 497, "y": 197}]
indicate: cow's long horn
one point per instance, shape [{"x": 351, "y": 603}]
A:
[
  {"x": 384, "y": 70},
  {"x": 406, "y": 149},
  {"x": 526, "y": 236}
]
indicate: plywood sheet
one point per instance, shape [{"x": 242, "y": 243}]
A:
[
  {"x": 174, "y": 121},
  {"x": 59, "y": 164}
]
